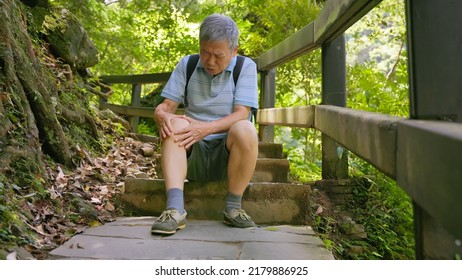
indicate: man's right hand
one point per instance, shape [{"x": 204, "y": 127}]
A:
[
  {"x": 164, "y": 122},
  {"x": 163, "y": 116}
]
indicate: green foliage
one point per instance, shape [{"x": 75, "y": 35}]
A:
[
  {"x": 148, "y": 128},
  {"x": 378, "y": 82},
  {"x": 12, "y": 228},
  {"x": 303, "y": 148},
  {"x": 135, "y": 37},
  {"x": 380, "y": 206},
  {"x": 386, "y": 213},
  {"x": 377, "y": 61}
]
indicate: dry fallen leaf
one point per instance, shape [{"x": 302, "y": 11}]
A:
[
  {"x": 98, "y": 180},
  {"x": 319, "y": 210},
  {"x": 12, "y": 256},
  {"x": 109, "y": 207}
]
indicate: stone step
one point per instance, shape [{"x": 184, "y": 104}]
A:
[
  {"x": 267, "y": 203},
  {"x": 130, "y": 238},
  {"x": 265, "y": 150},
  {"x": 266, "y": 170},
  {"x": 270, "y": 150},
  {"x": 271, "y": 170}
]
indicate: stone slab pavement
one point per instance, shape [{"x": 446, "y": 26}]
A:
[{"x": 129, "y": 238}]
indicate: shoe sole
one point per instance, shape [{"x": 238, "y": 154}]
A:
[
  {"x": 167, "y": 232},
  {"x": 231, "y": 225}
]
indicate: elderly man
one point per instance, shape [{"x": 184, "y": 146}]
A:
[{"x": 215, "y": 139}]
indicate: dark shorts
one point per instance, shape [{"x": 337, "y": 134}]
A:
[{"x": 208, "y": 161}]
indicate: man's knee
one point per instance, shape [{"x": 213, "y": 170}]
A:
[
  {"x": 179, "y": 123},
  {"x": 243, "y": 132},
  {"x": 243, "y": 128}
]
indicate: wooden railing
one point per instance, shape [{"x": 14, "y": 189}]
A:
[{"x": 422, "y": 153}]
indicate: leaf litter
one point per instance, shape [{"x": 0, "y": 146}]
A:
[{"x": 86, "y": 196}]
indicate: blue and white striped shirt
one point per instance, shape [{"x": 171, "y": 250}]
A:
[{"x": 211, "y": 97}]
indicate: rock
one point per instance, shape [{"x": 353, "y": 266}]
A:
[
  {"x": 20, "y": 253},
  {"x": 353, "y": 230},
  {"x": 147, "y": 150},
  {"x": 141, "y": 175},
  {"x": 69, "y": 40},
  {"x": 109, "y": 207},
  {"x": 83, "y": 207},
  {"x": 356, "y": 250}
]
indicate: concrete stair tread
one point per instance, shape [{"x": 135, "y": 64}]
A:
[
  {"x": 270, "y": 150},
  {"x": 129, "y": 238}
]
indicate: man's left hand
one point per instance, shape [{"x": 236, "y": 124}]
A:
[{"x": 193, "y": 133}]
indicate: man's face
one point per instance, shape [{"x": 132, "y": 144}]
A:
[{"x": 216, "y": 56}]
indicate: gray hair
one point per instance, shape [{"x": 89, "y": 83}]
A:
[{"x": 217, "y": 27}]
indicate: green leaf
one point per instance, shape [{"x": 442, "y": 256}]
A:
[{"x": 272, "y": 228}]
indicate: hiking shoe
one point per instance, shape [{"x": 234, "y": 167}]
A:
[
  {"x": 169, "y": 222},
  {"x": 238, "y": 218}
]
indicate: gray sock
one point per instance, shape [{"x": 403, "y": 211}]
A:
[
  {"x": 232, "y": 202},
  {"x": 175, "y": 199}
]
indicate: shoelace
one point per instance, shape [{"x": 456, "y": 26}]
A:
[
  {"x": 166, "y": 215},
  {"x": 243, "y": 215}
]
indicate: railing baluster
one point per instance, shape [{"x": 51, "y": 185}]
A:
[
  {"x": 434, "y": 28},
  {"x": 136, "y": 101},
  {"x": 267, "y": 100},
  {"x": 334, "y": 157}
]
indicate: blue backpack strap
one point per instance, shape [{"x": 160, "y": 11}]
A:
[
  {"x": 237, "y": 68},
  {"x": 190, "y": 67},
  {"x": 236, "y": 73}
]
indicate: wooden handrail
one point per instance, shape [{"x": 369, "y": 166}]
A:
[
  {"x": 137, "y": 79},
  {"x": 424, "y": 157}
]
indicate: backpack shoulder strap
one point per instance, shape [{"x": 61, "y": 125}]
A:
[
  {"x": 236, "y": 73},
  {"x": 237, "y": 68},
  {"x": 190, "y": 67}
]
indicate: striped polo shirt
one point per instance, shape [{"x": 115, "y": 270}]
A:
[{"x": 213, "y": 97}]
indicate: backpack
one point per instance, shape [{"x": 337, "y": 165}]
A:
[{"x": 191, "y": 66}]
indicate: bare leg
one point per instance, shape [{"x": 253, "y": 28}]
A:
[
  {"x": 243, "y": 146},
  {"x": 174, "y": 167},
  {"x": 174, "y": 164}
]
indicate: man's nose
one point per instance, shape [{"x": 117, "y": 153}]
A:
[{"x": 211, "y": 60}]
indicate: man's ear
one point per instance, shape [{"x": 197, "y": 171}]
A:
[{"x": 235, "y": 51}]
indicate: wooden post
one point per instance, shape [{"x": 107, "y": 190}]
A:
[
  {"x": 434, "y": 30},
  {"x": 334, "y": 157},
  {"x": 136, "y": 101},
  {"x": 267, "y": 100}
]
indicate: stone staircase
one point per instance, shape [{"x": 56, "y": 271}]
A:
[
  {"x": 279, "y": 208},
  {"x": 269, "y": 198}
]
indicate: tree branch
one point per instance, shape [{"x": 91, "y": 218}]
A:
[{"x": 395, "y": 65}]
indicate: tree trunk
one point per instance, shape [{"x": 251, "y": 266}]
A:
[
  {"x": 25, "y": 79},
  {"x": 39, "y": 100}
]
